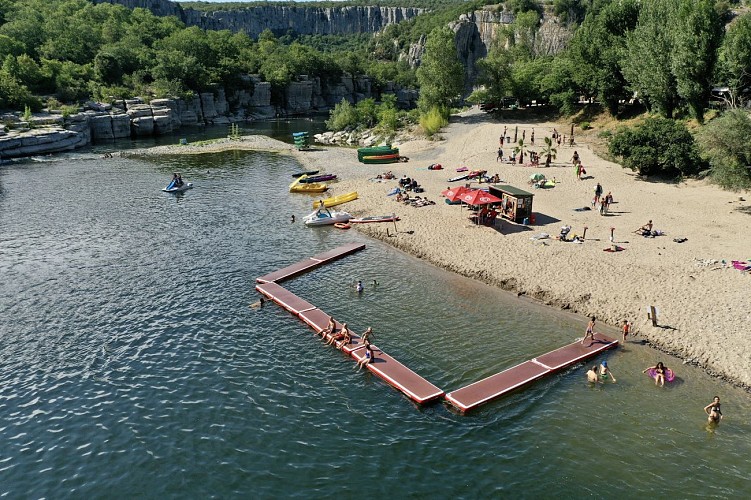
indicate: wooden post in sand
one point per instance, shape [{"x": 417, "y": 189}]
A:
[
  {"x": 516, "y": 134},
  {"x": 584, "y": 236},
  {"x": 652, "y": 315}
]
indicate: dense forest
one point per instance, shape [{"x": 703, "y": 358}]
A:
[{"x": 660, "y": 56}]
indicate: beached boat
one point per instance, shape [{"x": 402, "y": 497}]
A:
[
  {"x": 310, "y": 172},
  {"x": 325, "y": 217},
  {"x": 314, "y": 187},
  {"x": 317, "y": 178},
  {"x": 336, "y": 200},
  {"x": 374, "y": 218},
  {"x": 171, "y": 188}
]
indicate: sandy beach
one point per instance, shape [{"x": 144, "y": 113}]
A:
[{"x": 704, "y": 306}]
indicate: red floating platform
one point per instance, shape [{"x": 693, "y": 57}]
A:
[
  {"x": 497, "y": 385},
  {"x": 285, "y": 298},
  {"x": 310, "y": 263},
  {"x": 400, "y": 377}
]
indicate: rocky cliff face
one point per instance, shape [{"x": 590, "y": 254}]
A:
[{"x": 301, "y": 20}]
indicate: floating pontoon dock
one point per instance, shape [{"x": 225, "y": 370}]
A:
[
  {"x": 402, "y": 378},
  {"x": 497, "y": 385}
]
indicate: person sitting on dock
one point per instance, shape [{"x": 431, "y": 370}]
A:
[
  {"x": 367, "y": 358},
  {"x": 341, "y": 335},
  {"x": 367, "y": 335},
  {"x": 345, "y": 340},
  {"x": 329, "y": 328},
  {"x": 605, "y": 372}
]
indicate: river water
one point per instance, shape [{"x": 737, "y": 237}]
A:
[{"x": 132, "y": 365}]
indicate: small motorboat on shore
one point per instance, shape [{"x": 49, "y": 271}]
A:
[
  {"x": 171, "y": 188},
  {"x": 325, "y": 217},
  {"x": 374, "y": 218}
]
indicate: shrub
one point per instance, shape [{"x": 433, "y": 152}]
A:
[
  {"x": 585, "y": 125},
  {"x": 343, "y": 116},
  {"x": 69, "y": 110},
  {"x": 658, "y": 146},
  {"x": 725, "y": 144},
  {"x": 433, "y": 121}
]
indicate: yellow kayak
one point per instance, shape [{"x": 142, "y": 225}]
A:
[
  {"x": 336, "y": 200},
  {"x": 311, "y": 187}
]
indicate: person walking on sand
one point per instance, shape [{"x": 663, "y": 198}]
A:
[
  {"x": 598, "y": 193},
  {"x": 532, "y": 137},
  {"x": 713, "y": 411},
  {"x": 605, "y": 372},
  {"x": 500, "y": 155},
  {"x": 500, "y": 141},
  {"x": 590, "y": 332},
  {"x": 626, "y": 329}
]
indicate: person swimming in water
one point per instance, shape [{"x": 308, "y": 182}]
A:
[
  {"x": 660, "y": 371},
  {"x": 605, "y": 372},
  {"x": 592, "y": 377},
  {"x": 358, "y": 287},
  {"x": 713, "y": 411}
]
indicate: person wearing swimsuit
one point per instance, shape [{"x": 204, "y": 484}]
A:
[
  {"x": 366, "y": 336},
  {"x": 590, "y": 332},
  {"x": 713, "y": 411},
  {"x": 329, "y": 328},
  {"x": 605, "y": 372},
  {"x": 660, "y": 371}
]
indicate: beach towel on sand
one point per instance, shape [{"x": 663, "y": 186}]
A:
[
  {"x": 394, "y": 191},
  {"x": 462, "y": 169},
  {"x": 611, "y": 249}
]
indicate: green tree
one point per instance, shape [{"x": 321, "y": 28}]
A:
[
  {"x": 735, "y": 59},
  {"x": 697, "y": 34},
  {"x": 648, "y": 58},
  {"x": 597, "y": 49},
  {"x": 726, "y": 146},
  {"x": 342, "y": 117},
  {"x": 658, "y": 146},
  {"x": 521, "y": 150},
  {"x": 440, "y": 75}
]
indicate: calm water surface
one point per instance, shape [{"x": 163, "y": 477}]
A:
[{"x": 131, "y": 364}]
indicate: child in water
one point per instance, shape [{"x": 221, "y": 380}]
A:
[{"x": 605, "y": 372}]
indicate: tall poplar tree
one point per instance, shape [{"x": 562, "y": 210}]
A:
[
  {"x": 648, "y": 58},
  {"x": 697, "y": 34},
  {"x": 440, "y": 75}
]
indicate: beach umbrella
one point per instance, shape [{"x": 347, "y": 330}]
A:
[
  {"x": 478, "y": 197},
  {"x": 453, "y": 193}
]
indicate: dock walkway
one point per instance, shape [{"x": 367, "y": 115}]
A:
[
  {"x": 495, "y": 386},
  {"x": 383, "y": 366}
]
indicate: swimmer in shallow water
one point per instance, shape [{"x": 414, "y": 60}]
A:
[
  {"x": 358, "y": 287},
  {"x": 592, "y": 377},
  {"x": 713, "y": 411},
  {"x": 660, "y": 371},
  {"x": 605, "y": 372}
]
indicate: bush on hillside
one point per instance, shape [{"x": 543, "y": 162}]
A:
[
  {"x": 658, "y": 146},
  {"x": 433, "y": 120},
  {"x": 725, "y": 144}
]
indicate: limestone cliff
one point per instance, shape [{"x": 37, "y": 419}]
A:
[{"x": 281, "y": 19}]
